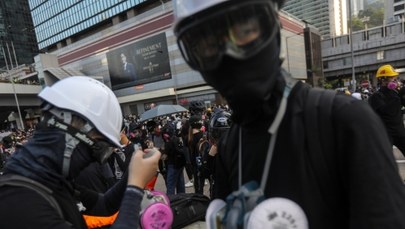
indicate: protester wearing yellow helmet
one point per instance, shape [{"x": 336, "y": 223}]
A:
[
  {"x": 386, "y": 102},
  {"x": 386, "y": 71}
]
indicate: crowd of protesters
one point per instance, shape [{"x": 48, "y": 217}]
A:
[
  {"x": 9, "y": 140},
  {"x": 177, "y": 136},
  {"x": 170, "y": 134}
]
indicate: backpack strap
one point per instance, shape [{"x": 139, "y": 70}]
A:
[
  {"x": 319, "y": 132},
  {"x": 203, "y": 147},
  {"x": 20, "y": 181}
]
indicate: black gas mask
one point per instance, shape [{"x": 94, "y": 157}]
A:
[
  {"x": 79, "y": 141},
  {"x": 236, "y": 49}
]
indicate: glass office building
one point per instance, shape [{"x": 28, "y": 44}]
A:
[
  {"x": 328, "y": 16},
  {"x": 129, "y": 45},
  {"x": 16, "y": 33},
  {"x": 56, "y": 20}
]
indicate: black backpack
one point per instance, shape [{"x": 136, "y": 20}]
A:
[
  {"x": 188, "y": 208},
  {"x": 202, "y": 149},
  {"x": 180, "y": 151},
  {"x": 320, "y": 140},
  {"x": 20, "y": 181}
]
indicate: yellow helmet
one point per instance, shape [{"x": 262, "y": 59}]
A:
[{"x": 386, "y": 71}]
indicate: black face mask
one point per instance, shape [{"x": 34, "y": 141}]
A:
[
  {"x": 84, "y": 154},
  {"x": 248, "y": 84},
  {"x": 80, "y": 159}
]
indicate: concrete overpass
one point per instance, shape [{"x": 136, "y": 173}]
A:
[{"x": 27, "y": 100}]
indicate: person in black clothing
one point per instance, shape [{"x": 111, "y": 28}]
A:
[
  {"x": 194, "y": 137},
  {"x": 235, "y": 45},
  {"x": 101, "y": 177},
  {"x": 219, "y": 125},
  {"x": 387, "y": 103},
  {"x": 196, "y": 108},
  {"x": 176, "y": 150},
  {"x": 75, "y": 131}
]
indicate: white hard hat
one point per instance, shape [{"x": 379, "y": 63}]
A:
[
  {"x": 356, "y": 95},
  {"x": 92, "y": 100}
]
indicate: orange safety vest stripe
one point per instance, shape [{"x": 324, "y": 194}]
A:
[{"x": 99, "y": 221}]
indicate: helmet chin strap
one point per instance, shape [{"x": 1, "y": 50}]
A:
[
  {"x": 70, "y": 145},
  {"x": 71, "y": 141}
]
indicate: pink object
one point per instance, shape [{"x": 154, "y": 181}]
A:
[
  {"x": 162, "y": 195},
  {"x": 392, "y": 85},
  {"x": 157, "y": 215}
]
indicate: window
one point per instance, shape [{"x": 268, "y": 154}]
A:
[
  {"x": 347, "y": 61},
  {"x": 380, "y": 55},
  {"x": 325, "y": 65},
  {"x": 399, "y": 7}
]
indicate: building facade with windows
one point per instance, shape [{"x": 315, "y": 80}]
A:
[
  {"x": 372, "y": 48},
  {"x": 357, "y": 6},
  {"x": 17, "y": 37},
  {"x": 328, "y": 16},
  {"x": 130, "y": 46},
  {"x": 394, "y": 10}
]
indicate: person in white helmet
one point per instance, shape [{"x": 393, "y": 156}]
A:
[
  {"x": 81, "y": 124},
  {"x": 235, "y": 45}
]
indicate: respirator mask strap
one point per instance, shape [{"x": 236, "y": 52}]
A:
[
  {"x": 236, "y": 211},
  {"x": 101, "y": 150}
]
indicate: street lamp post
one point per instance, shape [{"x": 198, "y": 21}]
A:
[
  {"x": 351, "y": 46},
  {"x": 11, "y": 78}
]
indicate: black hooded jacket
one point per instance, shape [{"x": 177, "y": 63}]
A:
[
  {"x": 387, "y": 104},
  {"x": 368, "y": 191},
  {"x": 41, "y": 159}
]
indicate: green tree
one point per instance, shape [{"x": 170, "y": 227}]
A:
[
  {"x": 357, "y": 24},
  {"x": 372, "y": 15}
]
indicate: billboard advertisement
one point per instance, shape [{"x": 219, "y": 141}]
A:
[{"x": 139, "y": 63}]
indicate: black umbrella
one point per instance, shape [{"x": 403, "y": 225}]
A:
[{"x": 162, "y": 110}]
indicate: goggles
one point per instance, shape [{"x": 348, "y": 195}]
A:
[
  {"x": 239, "y": 31},
  {"x": 102, "y": 150}
]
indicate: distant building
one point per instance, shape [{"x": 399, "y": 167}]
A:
[
  {"x": 17, "y": 34},
  {"x": 357, "y": 6},
  {"x": 328, "y": 16},
  {"x": 60, "y": 23},
  {"x": 100, "y": 38},
  {"x": 394, "y": 10}
]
